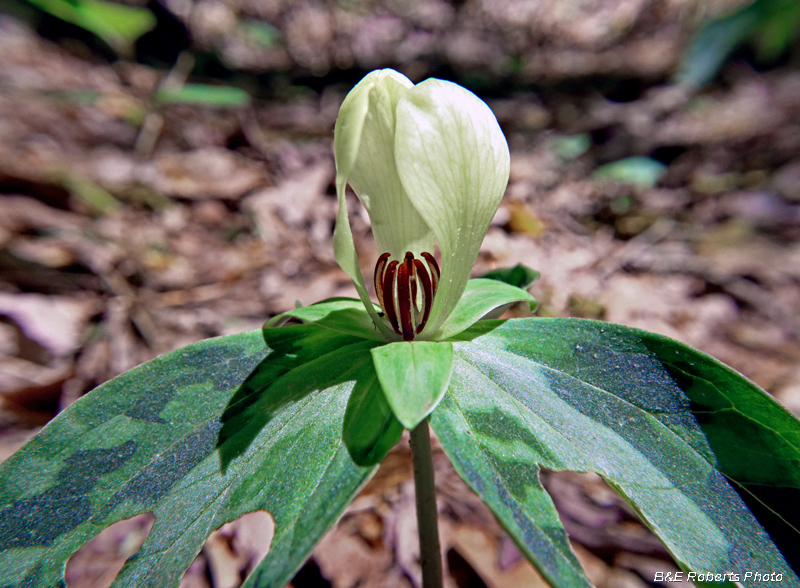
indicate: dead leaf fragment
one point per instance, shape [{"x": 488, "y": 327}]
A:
[
  {"x": 54, "y": 322},
  {"x": 211, "y": 172},
  {"x": 482, "y": 551}
]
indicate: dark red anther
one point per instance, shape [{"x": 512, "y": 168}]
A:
[
  {"x": 404, "y": 301},
  {"x": 408, "y": 261},
  {"x": 380, "y": 268},
  {"x": 434, "y": 268},
  {"x": 389, "y": 295},
  {"x": 427, "y": 293},
  {"x": 406, "y": 290}
]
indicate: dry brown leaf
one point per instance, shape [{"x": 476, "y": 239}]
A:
[
  {"x": 54, "y": 322},
  {"x": 205, "y": 173},
  {"x": 97, "y": 563},
  {"x": 482, "y": 550}
]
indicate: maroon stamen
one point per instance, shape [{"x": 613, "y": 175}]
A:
[
  {"x": 409, "y": 263},
  {"x": 434, "y": 268},
  {"x": 380, "y": 268},
  {"x": 427, "y": 292},
  {"x": 389, "y": 296},
  {"x": 406, "y": 290},
  {"x": 404, "y": 301}
]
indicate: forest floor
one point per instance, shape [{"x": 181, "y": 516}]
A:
[{"x": 129, "y": 228}]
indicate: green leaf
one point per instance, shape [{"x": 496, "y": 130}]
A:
[
  {"x": 503, "y": 469},
  {"x": 777, "y": 30},
  {"x": 116, "y": 24},
  {"x": 519, "y": 276},
  {"x": 346, "y": 315},
  {"x": 222, "y": 96},
  {"x": 571, "y": 146},
  {"x": 714, "y": 43},
  {"x": 480, "y": 297},
  {"x": 261, "y": 33},
  {"x": 89, "y": 193},
  {"x": 771, "y": 24},
  {"x": 643, "y": 171},
  {"x": 414, "y": 376},
  {"x": 199, "y": 437},
  {"x": 707, "y": 458}
]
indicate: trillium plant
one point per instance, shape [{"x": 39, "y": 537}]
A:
[{"x": 295, "y": 418}]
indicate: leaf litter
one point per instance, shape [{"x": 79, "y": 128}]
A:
[{"x": 110, "y": 256}]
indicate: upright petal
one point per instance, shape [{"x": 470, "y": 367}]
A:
[
  {"x": 453, "y": 162},
  {"x": 347, "y": 142},
  {"x": 370, "y": 167}
]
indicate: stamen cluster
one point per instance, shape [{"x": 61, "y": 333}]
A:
[{"x": 406, "y": 291}]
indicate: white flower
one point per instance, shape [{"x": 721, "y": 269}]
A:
[{"x": 430, "y": 164}]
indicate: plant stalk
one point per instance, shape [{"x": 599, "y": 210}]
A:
[{"x": 427, "y": 515}]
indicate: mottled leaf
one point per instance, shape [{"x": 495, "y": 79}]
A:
[
  {"x": 199, "y": 437},
  {"x": 709, "y": 460}
]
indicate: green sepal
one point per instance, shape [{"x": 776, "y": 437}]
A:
[
  {"x": 481, "y": 297},
  {"x": 414, "y": 376},
  {"x": 370, "y": 427},
  {"x": 345, "y": 315}
]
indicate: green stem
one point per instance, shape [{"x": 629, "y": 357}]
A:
[{"x": 429, "y": 550}]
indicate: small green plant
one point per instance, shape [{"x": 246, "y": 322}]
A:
[
  {"x": 643, "y": 171},
  {"x": 116, "y": 24},
  {"x": 770, "y": 26},
  {"x": 294, "y": 419},
  {"x": 203, "y": 94}
]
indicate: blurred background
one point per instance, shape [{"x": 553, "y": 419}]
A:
[{"x": 166, "y": 175}]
